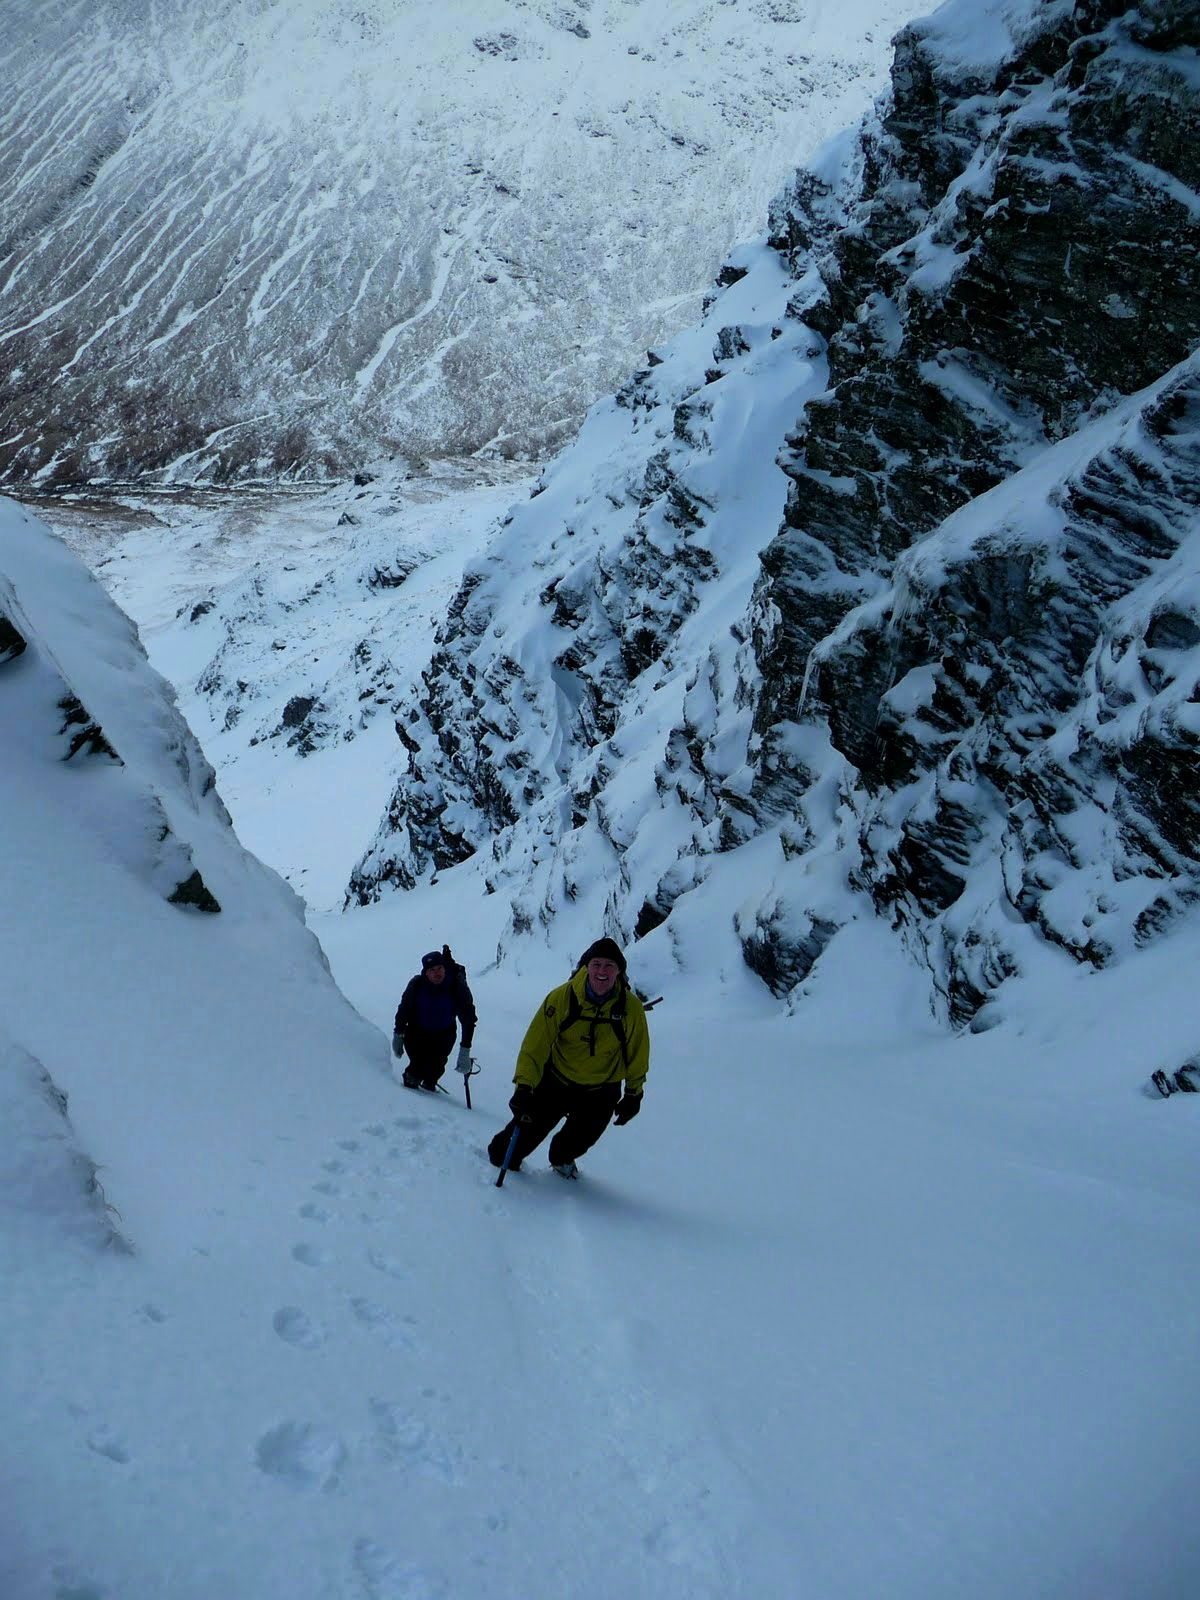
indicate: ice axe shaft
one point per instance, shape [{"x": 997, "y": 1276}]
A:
[
  {"x": 508, "y": 1155},
  {"x": 468, "y": 1072}
]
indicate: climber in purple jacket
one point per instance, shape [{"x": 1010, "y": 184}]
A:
[{"x": 424, "y": 1030}]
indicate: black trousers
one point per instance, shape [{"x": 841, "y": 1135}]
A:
[
  {"x": 428, "y": 1051},
  {"x": 588, "y": 1112}
]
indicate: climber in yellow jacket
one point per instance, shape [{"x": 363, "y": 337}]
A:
[{"x": 584, "y": 1057}]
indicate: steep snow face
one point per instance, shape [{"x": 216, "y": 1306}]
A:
[
  {"x": 261, "y": 239},
  {"x": 143, "y": 947},
  {"x": 970, "y": 712}
]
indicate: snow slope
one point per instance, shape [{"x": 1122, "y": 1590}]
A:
[
  {"x": 261, "y": 239},
  {"x": 853, "y": 1309}
]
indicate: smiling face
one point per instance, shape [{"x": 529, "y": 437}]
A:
[{"x": 601, "y": 975}]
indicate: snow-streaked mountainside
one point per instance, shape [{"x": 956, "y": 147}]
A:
[
  {"x": 270, "y": 239},
  {"x": 856, "y": 1307}
]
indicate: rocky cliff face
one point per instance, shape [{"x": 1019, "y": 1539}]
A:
[{"x": 885, "y": 579}]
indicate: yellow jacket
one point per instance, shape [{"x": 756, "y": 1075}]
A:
[{"x": 579, "y": 1040}]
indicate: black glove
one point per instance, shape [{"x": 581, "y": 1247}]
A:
[
  {"x": 521, "y": 1104},
  {"x": 398, "y": 1042},
  {"x": 627, "y": 1108}
]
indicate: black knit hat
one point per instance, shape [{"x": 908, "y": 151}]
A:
[
  {"x": 435, "y": 958},
  {"x": 604, "y": 950}
]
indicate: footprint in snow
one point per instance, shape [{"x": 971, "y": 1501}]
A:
[
  {"x": 415, "y": 1139},
  {"x": 305, "y": 1455},
  {"x": 333, "y": 1166},
  {"x": 311, "y": 1255},
  {"x": 349, "y": 1145},
  {"x": 382, "y": 1321},
  {"x": 294, "y": 1327},
  {"x": 312, "y": 1212},
  {"x": 385, "y": 1264},
  {"x": 404, "y": 1439},
  {"x": 376, "y": 1130},
  {"x": 327, "y": 1187},
  {"x": 104, "y": 1442},
  {"x": 152, "y": 1314},
  {"x": 385, "y": 1576}
]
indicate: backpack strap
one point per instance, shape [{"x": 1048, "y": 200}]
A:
[
  {"x": 618, "y": 1026},
  {"x": 615, "y": 1019},
  {"x": 574, "y": 1009}
]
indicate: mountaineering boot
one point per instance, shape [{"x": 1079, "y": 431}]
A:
[
  {"x": 565, "y": 1169},
  {"x": 410, "y": 1079}
]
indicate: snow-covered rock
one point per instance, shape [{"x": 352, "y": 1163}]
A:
[
  {"x": 142, "y": 947},
  {"x": 86, "y": 696},
  {"x": 1019, "y": 709},
  {"x": 890, "y": 561},
  {"x": 50, "y": 1192}
]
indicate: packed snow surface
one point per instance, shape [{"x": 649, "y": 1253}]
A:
[{"x": 854, "y": 1308}]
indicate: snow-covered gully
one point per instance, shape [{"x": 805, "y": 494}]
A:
[{"x": 845, "y": 671}]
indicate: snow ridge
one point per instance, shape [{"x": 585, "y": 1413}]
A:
[
  {"x": 121, "y": 872},
  {"x": 145, "y": 773}
]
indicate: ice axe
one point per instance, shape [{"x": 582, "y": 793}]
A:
[
  {"x": 512, "y": 1145},
  {"x": 468, "y": 1072},
  {"x": 508, "y": 1155}
]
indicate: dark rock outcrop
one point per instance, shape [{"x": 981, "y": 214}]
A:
[
  {"x": 1001, "y": 275},
  {"x": 193, "y": 891},
  {"x": 12, "y": 644}
]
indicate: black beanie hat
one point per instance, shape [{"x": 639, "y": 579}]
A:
[{"x": 604, "y": 950}]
